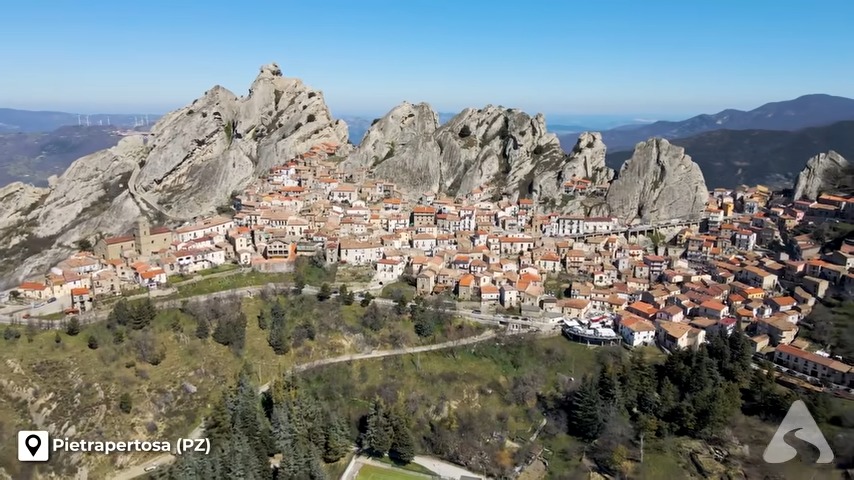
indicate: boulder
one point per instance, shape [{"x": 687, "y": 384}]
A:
[
  {"x": 822, "y": 172},
  {"x": 659, "y": 182}
]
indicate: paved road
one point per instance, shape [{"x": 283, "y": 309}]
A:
[{"x": 139, "y": 470}]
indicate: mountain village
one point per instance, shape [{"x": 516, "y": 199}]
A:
[{"x": 600, "y": 280}]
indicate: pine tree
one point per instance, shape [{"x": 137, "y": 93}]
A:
[
  {"x": 324, "y": 293},
  {"x": 120, "y": 314},
  {"x": 337, "y": 440},
  {"x": 92, "y": 342},
  {"x": 203, "y": 329},
  {"x": 346, "y": 296},
  {"x": 367, "y": 299},
  {"x": 73, "y": 327},
  {"x": 402, "y": 447},
  {"x": 379, "y": 434},
  {"x": 586, "y": 416}
]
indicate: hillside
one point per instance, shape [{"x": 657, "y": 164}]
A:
[
  {"x": 803, "y": 112},
  {"x": 33, "y": 157},
  {"x": 732, "y": 157}
]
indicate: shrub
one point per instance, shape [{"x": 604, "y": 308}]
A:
[
  {"x": 93, "y": 342},
  {"x": 125, "y": 403}
]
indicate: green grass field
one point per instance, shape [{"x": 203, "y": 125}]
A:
[
  {"x": 218, "y": 284},
  {"x": 371, "y": 472}
]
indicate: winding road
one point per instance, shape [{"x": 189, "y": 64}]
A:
[{"x": 139, "y": 470}]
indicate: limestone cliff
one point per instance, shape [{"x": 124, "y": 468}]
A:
[
  {"x": 659, "y": 182},
  {"x": 193, "y": 160},
  {"x": 822, "y": 172},
  {"x": 493, "y": 148},
  {"x": 585, "y": 161}
]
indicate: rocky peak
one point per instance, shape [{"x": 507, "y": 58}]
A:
[
  {"x": 493, "y": 148},
  {"x": 658, "y": 182},
  {"x": 388, "y": 136},
  {"x": 191, "y": 163},
  {"x": 822, "y": 172}
]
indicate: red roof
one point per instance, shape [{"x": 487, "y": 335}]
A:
[
  {"x": 80, "y": 291},
  {"x": 32, "y": 286}
]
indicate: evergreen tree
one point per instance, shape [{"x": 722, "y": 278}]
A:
[
  {"x": 608, "y": 385},
  {"x": 203, "y": 329},
  {"x": 402, "y": 448},
  {"x": 379, "y": 434},
  {"x": 367, "y": 299},
  {"x": 72, "y": 328},
  {"x": 92, "y": 342},
  {"x": 142, "y": 314},
  {"x": 337, "y": 440},
  {"x": 346, "y": 296},
  {"x": 325, "y": 292},
  {"x": 120, "y": 314},
  {"x": 586, "y": 416},
  {"x": 299, "y": 282}
]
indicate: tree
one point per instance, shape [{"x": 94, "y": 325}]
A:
[
  {"x": 324, "y": 293},
  {"x": 72, "y": 328},
  {"x": 14, "y": 294},
  {"x": 367, "y": 299},
  {"x": 11, "y": 333},
  {"x": 142, "y": 314},
  {"x": 93, "y": 342},
  {"x": 57, "y": 339},
  {"x": 345, "y": 295},
  {"x": 299, "y": 282},
  {"x": 125, "y": 403},
  {"x": 374, "y": 318},
  {"x": 120, "y": 314},
  {"x": 263, "y": 319},
  {"x": 379, "y": 434},
  {"x": 203, "y": 328},
  {"x": 586, "y": 416},
  {"x": 337, "y": 442},
  {"x": 84, "y": 245},
  {"x": 402, "y": 447}
]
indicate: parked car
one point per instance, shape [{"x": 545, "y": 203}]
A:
[
  {"x": 475, "y": 311},
  {"x": 51, "y": 299}
]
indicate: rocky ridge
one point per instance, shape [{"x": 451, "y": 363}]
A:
[
  {"x": 195, "y": 158},
  {"x": 659, "y": 182},
  {"x": 822, "y": 172},
  {"x": 585, "y": 160},
  {"x": 493, "y": 148}
]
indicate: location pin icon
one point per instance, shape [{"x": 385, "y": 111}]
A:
[{"x": 33, "y": 442}]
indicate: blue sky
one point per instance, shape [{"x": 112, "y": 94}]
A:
[{"x": 664, "y": 58}]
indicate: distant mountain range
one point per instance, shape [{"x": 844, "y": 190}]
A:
[
  {"x": 732, "y": 157},
  {"x": 14, "y": 121},
  {"x": 803, "y": 112},
  {"x": 34, "y": 156}
]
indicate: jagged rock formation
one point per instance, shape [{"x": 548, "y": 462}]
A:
[
  {"x": 586, "y": 160},
  {"x": 401, "y": 146},
  {"x": 821, "y": 173},
  {"x": 495, "y": 148},
  {"x": 658, "y": 183},
  {"x": 194, "y": 159}
]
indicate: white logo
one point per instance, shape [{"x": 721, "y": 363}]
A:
[
  {"x": 800, "y": 421},
  {"x": 33, "y": 446}
]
